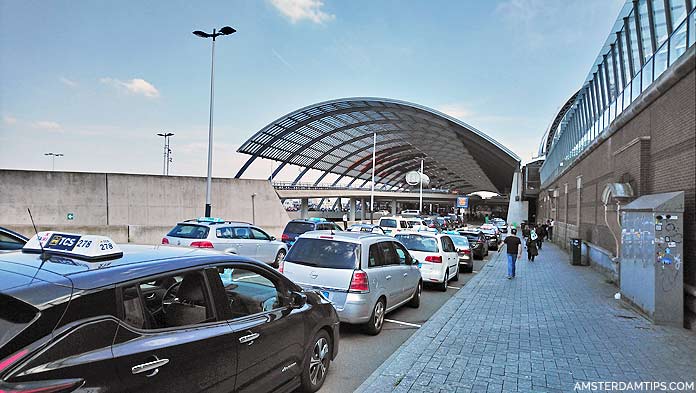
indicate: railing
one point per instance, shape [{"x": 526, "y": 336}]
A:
[
  {"x": 615, "y": 84},
  {"x": 286, "y": 185}
]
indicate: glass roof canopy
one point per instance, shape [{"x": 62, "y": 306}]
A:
[{"x": 336, "y": 137}]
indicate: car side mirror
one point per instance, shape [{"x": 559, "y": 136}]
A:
[
  {"x": 273, "y": 238},
  {"x": 297, "y": 299}
]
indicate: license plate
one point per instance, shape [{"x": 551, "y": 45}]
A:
[{"x": 325, "y": 294}]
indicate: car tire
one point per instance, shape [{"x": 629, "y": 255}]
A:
[
  {"x": 469, "y": 268},
  {"x": 374, "y": 325},
  {"x": 317, "y": 361},
  {"x": 415, "y": 300},
  {"x": 443, "y": 287},
  {"x": 279, "y": 257}
]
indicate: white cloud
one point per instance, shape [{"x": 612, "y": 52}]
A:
[
  {"x": 67, "y": 82},
  {"x": 133, "y": 86},
  {"x": 456, "y": 110},
  {"x": 9, "y": 120},
  {"x": 297, "y": 10},
  {"x": 47, "y": 125}
]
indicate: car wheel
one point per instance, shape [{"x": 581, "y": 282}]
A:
[
  {"x": 374, "y": 325},
  {"x": 443, "y": 286},
  {"x": 317, "y": 362},
  {"x": 415, "y": 300},
  {"x": 279, "y": 258},
  {"x": 469, "y": 268}
]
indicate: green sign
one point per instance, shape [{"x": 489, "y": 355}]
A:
[{"x": 71, "y": 216}]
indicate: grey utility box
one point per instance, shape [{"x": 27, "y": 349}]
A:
[{"x": 652, "y": 251}]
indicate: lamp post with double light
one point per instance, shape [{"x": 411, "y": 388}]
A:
[
  {"x": 223, "y": 31},
  {"x": 53, "y": 159}
]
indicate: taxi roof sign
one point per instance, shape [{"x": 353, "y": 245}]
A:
[
  {"x": 87, "y": 247},
  {"x": 210, "y": 219}
]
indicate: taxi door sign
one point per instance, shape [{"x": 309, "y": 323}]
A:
[{"x": 462, "y": 202}]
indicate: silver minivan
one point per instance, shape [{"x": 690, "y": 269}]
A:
[{"x": 364, "y": 275}]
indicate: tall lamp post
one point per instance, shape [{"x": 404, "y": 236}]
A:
[
  {"x": 53, "y": 159},
  {"x": 167, "y": 152},
  {"x": 253, "y": 209},
  {"x": 223, "y": 31}
]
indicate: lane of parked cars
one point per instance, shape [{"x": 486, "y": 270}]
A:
[{"x": 81, "y": 313}]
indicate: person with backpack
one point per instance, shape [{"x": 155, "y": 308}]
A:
[{"x": 532, "y": 250}]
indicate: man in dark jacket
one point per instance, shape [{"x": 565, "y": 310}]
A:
[{"x": 514, "y": 251}]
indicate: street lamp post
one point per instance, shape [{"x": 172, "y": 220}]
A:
[
  {"x": 223, "y": 31},
  {"x": 53, "y": 159},
  {"x": 167, "y": 152}
]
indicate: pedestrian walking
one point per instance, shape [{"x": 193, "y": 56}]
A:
[
  {"x": 532, "y": 250},
  {"x": 541, "y": 234},
  {"x": 550, "y": 229},
  {"x": 514, "y": 251}
]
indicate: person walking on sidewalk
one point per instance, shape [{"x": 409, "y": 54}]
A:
[
  {"x": 532, "y": 250},
  {"x": 514, "y": 251}
]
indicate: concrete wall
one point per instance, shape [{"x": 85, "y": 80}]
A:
[
  {"x": 135, "y": 208},
  {"x": 651, "y": 146}
]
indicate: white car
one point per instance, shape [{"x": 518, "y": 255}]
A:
[
  {"x": 410, "y": 212},
  {"x": 417, "y": 224},
  {"x": 436, "y": 254},
  {"x": 393, "y": 224}
]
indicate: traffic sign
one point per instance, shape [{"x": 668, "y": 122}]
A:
[{"x": 71, "y": 216}]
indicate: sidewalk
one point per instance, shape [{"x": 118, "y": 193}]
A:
[{"x": 552, "y": 326}]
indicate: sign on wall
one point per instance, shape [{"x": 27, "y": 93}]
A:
[{"x": 463, "y": 202}]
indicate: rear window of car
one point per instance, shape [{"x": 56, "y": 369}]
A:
[
  {"x": 418, "y": 242},
  {"x": 189, "y": 231},
  {"x": 460, "y": 241},
  {"x": 389, "y": 223},
  {"x": 15, "y": 316},
  {"x": 298, "y": 227},
  {"x": 324, "y": 253}
]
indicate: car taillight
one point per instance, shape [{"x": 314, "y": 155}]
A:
[
  {"x": 466, "y": 252},
  {"x": 48, "y": 386},
  {"x": 434, "y": 258},
  {"x": 165, "y": 240},
  {"x": 359, "y": 282},
  {"x": 202, "y": 244},
  {"x": 284, "y": 237},
  {"x": 12, "y": 359}
]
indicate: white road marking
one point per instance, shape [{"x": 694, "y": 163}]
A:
[
  {"x": 402, "y": 323},
  {"x": 474, "y": 271},
  {"x": 453, "y": 287}
]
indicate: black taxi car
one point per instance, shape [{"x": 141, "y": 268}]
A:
[{"x": 80, "y": 313}]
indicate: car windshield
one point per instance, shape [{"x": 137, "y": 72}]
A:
[
  {"x": 389, "y": 223},
  {"x": 331, "y": 254},
  {"x": 460, "y": 241},
  {"x": 188, "y": 231},
  {"x": 418, "y": 242},
  {"x": 298, "y": 227}
]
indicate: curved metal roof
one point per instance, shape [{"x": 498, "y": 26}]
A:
[
  {"x": 336, "y": 137},
  {"x": 548, "y": 138}
]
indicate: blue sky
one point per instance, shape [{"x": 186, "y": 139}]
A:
[{"x": 97, "y": 80}]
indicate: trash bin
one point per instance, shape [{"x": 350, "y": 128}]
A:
[{"x": 575, "y": 251}]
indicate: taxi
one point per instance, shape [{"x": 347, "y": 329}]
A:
[{"x": 82, "y": 313}]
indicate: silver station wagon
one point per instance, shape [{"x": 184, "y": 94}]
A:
[
  {"x": 365, "y": 275},
  {"x": 239, "y": 238}
]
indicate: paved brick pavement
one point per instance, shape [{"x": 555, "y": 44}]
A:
[{"x": 550, "y": 327}]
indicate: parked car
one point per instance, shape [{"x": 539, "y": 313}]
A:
[
  {"x": 501, "y": 224},
  {"x": 83, "y": 314},
  {"x": 477, "y": 242},
  {"x": 364, "y": 275},
  {"x": 393, "y": 224},
  {"x": 461, "y": 243},
  {"x": 418, "y": 224},
  {"x": 432, "y": 223},
  {"x": 493, "y": 235},
  {"x": 295, "y": 228},
  {"x": 233, "y": 237},
  {"x": 366, "y": 228},
  {"x": 436, "y": 255},
  {"x": 411, "y": 213},
  {"x": 11, "y": 240}
]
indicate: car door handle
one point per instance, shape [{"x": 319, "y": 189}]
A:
[
  {"x": 387, "y": 278},
  {"x": 405, "y": 274},
  {"x": 149, "y": 366},
  {"x": 249, "y": 338}
]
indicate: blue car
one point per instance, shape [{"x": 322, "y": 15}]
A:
[{"x": 297, "y": 227}]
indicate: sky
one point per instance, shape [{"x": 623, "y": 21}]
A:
[{"x": 96, "y": 81}]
